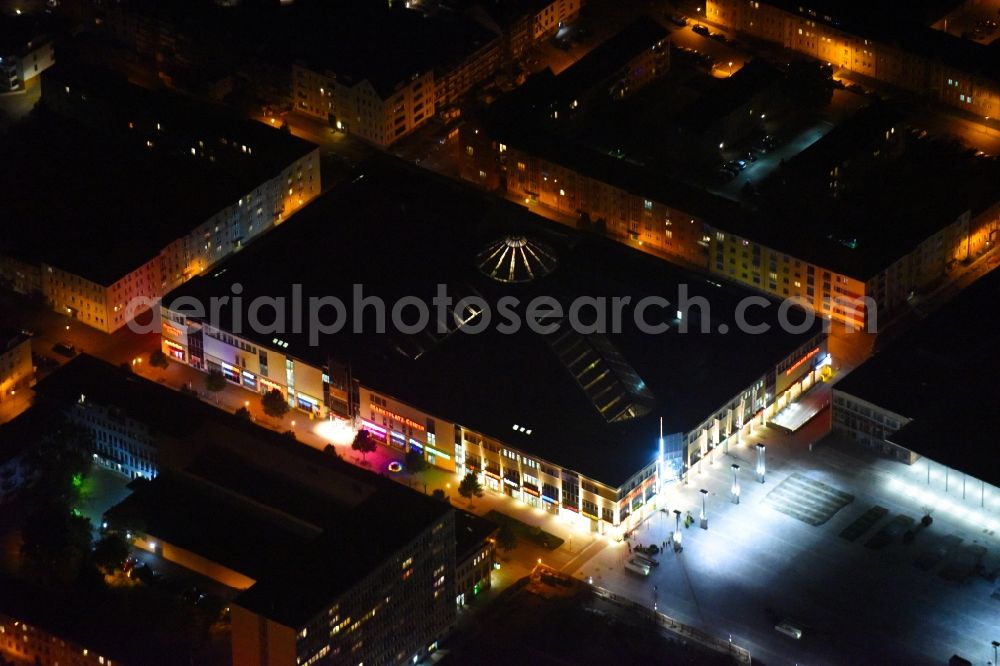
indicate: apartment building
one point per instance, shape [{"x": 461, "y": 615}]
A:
[
  {"x": 378, "y": 111},
  {"x": 21, "y": 642},
  {"x": 388, "y": 71},
  {"x": 475, "y": 556},
  {"x": 881, "y": 42},
  {"x": 26, "y": 50},
  {"x": 523, "y": 23},
  {"x": 835, "y": 227},
  {"x": 205, "y": 184}
]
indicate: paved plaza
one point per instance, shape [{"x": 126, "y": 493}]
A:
[{"x": 781, "y": 554}]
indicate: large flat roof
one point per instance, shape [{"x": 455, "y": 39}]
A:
[
  {"x": 401, "y": 231},
  {"x": 942, "y": 375}
]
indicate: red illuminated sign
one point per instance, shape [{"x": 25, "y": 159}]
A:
[
  {"x": 802, "y": 360},
  {"x": 381, "y": 411}
]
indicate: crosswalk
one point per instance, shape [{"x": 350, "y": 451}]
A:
[{"x": 806, "y": 499}]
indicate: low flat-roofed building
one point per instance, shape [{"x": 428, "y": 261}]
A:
[
  {"x": 118, "y": 194},
  {"x": 923, "y": 399},
  {"x": 567, "y": 421}
]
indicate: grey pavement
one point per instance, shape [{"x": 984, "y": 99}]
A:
[{"x": 755, "y": 566}]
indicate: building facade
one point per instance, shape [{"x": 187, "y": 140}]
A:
[
  {"x": 16, "y": 367},
  {"x": 869, "y": 425},
  {"x": 820, "y": 36},
  {"x": 24, "y": 58},
  {"x": 500, "y": 467},
  {"x": 121, "y": 443},
  {"x": 395, "y": 614},
  {"x": 475, "y": 556},
  {"x": 359, "y": 107},
  {"x": 22, "y": 643}
]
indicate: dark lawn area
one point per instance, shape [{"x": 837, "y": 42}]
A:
[{"x": 530, "y": 533}]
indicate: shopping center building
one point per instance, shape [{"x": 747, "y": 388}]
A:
[{"x": 570, "y": 420}]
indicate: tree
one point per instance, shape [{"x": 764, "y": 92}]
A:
[
  {"x": 110, "y": 552},
  {"x": 55, "y": 542},
  {"x": 414, "y": 461},
  {"x": 470, "y": 487},
  {"x": 243, "y": 413},
  {"x": 506, "y": 538},
  {"x": 438, "y": 494},
  {"x": 274, "y": 403},
  {"x": 329, "y": 449},
  {"x": 158, "y": 359},
  {"x": 214, "y": 381},
  {"x": 364, "y": 443},
  {"x": 59, "y": 463}
]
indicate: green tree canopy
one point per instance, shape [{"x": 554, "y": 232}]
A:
[
  {"x": 274, "y": 404},
  {"x": 470, "y": 487},
  {"x": 364, "y": 443}
]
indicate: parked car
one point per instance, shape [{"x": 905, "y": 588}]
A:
[
  {"x": 677, "y": 20},
  {"x": 64, "y": 349},
  {"x": 701, "y": 30},
  {"x": 741, "y": 164}
]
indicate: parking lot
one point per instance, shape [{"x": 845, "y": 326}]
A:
[{"x": 833, "y": 544}]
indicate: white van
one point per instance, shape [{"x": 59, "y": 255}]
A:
[{"x": 637, "y": 568}]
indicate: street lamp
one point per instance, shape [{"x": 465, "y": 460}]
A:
[
  {"x": 735, "y": 489},
  {"x": 996, "y": 644},
  {"x": 761, "y": 469},
  {"x": 704, "y": 515},
  {"x": 677, "y": 530},
  {"x": 730, "y": 68}
]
